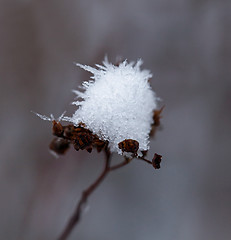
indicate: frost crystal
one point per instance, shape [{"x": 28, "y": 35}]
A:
[{"x": 117, "y": 104}]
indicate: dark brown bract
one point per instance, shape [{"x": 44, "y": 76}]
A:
[
  {"x": 59, "y": 145},
  {"x": 57, "y": 128},
  {"x": 156, "y": 121},
  {"x": 99, "y": 144},
  {"x": 129, "y": 145},
  {"x": 82, "y": 139},
  {"x": 79, "y": 136},
  {"x": 157, "y": 116},
  {"x": 156, "y": 161}
]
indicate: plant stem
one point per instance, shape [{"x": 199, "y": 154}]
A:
[
  {"x": 143, "y": 159},
  {"x": 125, "y": 162},
  {"x": 85, "y": 194}
]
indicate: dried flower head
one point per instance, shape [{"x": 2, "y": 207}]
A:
[
  {"x": 116, "y": 113},
  {"x": 116, "y": 106}
]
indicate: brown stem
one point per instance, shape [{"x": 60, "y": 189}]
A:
[
  {"x": 125, "y": 162},
  {"x": 143, "y": 159},
  {"x": 78, "y": 212}
]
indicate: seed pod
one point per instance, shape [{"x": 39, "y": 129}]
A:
[
  {"x": 156, "y": 161},
  {"x": 57, "y": 128},
  {"x": 99, "y": 144},
  {"x": 129, "y": 145},
  {"x": 59, "y": 145},
  {"x": 83, "y": 139},
  {"x": 157, "y": 116}
]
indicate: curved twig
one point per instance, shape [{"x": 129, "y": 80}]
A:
[
  {"x": 125, "y": 162},
  {"x": 85, "y": 194},
  {"x": 78, "y": 212},
  {"x": 145, "y": 160}
]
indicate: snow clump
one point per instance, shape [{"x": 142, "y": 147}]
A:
[{"x": 117, "y": 103}]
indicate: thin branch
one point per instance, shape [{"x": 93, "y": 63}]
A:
[
  {"x": 85, "y": 194},
  {"x": 125, "y": 162},
  {"x": 145, "y": 160}
]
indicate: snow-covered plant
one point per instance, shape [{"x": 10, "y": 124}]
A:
[
  {"x": 117, "y": 104},
  {"x": 116, "y": 112}
]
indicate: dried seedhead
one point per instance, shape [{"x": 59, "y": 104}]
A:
[
  {"x": 80, "y": 137},
  {"x": 59, "y": 145},
  {"x": 83, "y": 139},
  {"x": 156, "y": 120},
  {"x": 157, "y": 116},
  {"x": 130, "y": 146},
  {"x": 57, "y": 128},
  {"x": 156, "y": 161},
  {"x": 113, "y": 114}
]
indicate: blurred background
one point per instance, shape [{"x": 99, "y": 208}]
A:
[{"x": 187, "y": 46}]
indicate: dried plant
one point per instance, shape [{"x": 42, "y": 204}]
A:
[{"x": 117, "y": 112}]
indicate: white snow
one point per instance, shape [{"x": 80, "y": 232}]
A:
[{"x": 117, "y": 103}]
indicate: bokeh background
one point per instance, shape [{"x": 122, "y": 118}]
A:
[{"x": 187, "y": 46}]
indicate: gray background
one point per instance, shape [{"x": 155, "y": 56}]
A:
[{"x": 186, "y": 44}]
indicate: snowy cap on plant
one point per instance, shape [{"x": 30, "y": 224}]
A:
[{"x": 117, "y": 104}]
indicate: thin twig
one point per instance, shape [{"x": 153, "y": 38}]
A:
[
  {"x": 143, "y": 159},
  {"x": 125, "y": 162},
  {"x": 85, "y": 194},
  {"x": 78, "y": 212}
]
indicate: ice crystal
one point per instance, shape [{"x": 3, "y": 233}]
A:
[
  {"x": 117, "y": 103},
  {"x": 51, "y": 118}
]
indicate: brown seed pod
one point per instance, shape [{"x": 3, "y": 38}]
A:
[
  {"x": 156, "y": 161},
  {"x": 156, "y": 121},
  {"x": 99, "y": 144},
  {"x": 89, "y": 149},
  {"x": 79, "y": 136},
  {"x": 59, "y": 145},
  {"x": 68, "y": 131},
  {"x": 129, "y": 145},
  {"x": 82, "y": 139},
  {"x": 144, "y": 153},
  {"x": 57, "y": 128},
  {"x": 157, "y": 116}
]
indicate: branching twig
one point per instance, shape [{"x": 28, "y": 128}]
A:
[
  {"x": 143, "y": 159},
  {"x": 125, "y": 162},
  {"x": 77, "y": 214},
  {"x": 155, "y": 161}
]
